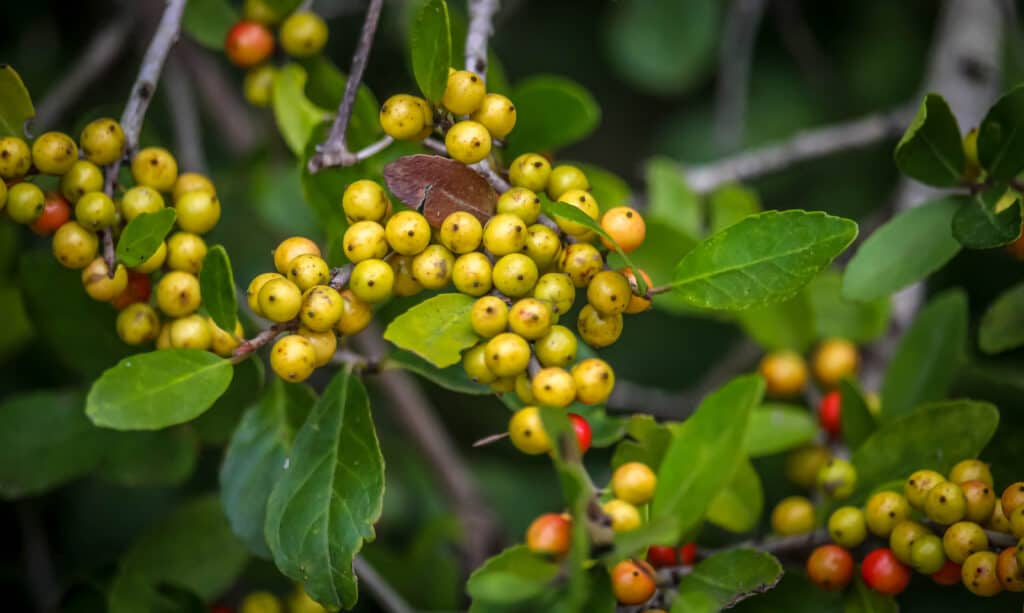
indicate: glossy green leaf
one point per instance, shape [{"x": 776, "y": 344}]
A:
[
  {"x": 328, "y": 495},
  {"x": 670, "y": 199},
  {"x": 295, "y": 114},
  {"x": 217, "y": 286},
  {"x": 154, "y": 390},
  {"x": 208, "y": 22},
  {"x": 935, "y": 436},
  {"x": 609, "y": 189},
  {"x": 725, "y": 579},
  {"x": 922, "y": 368},
  {"x": 1002, "y": 325},
  {"x": 437, "y": 329},
  {"x": 862, "y": 599},
  {"x": 254, "y": 458},
  {"x": 431, "y": 44},
  {"x": 840, "y": 317},
  {"x": 978, "y": 225},
  {"x": 515, "y": 575},
  {"x": 15, "y": 103},
  {"x": 451, "y": 377},
  {"x": 762, "y": 259},
  {"x": 776, "y": 427},
  {"x": 646, "y": 442},
  {"x": 143, "y": 236},
  {"x": 737, "y": 507},
  {"x": 857, "y": 422},
  {"x": 149, "y": 458},
  {"x": 910, "y": 246},
  {"x": 730, "y": 204},
  {"x": 931, "y": 150},
  {"x": 552, "y": 112},
  {"x": 1001, "y": 136},
  {"x": 783, "y": 325}
]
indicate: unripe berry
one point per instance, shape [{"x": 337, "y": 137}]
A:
[
  {"x": 838, "y": 478},
  {"x": 137, "y": 324},
  {"x": 155, "y": 167},
  {"x": 407, "y": 232},
  {"x": 530, "y": 318},
  {"x": 962, "y": 539},
  {"x": 542, "y": 246},
  {"x": 530, "y": 170},
  {"x": 489, "y": 316},
  {"x": 321, "y": 308},
  {"x": 633, "y": 582},
  {"x": 883, "y": 511},
  {"x": 526, "y": 430},
  {"x": 259, "y": 10},
  {"x": 497, "y": 114},
  {"x": 280, "y": 300},
  {"x": 258, "y": 85},
  {"x": 464, "y": 92},
  {"x": 468, "y": 142},
  {"x": 634, "y": 482},
  {"x": 594, "y": 380},
  {"x": 883, "y": 573},
  {"x": 624, "y": 516},
  {"x": 74, "y": 246},
  {"x": 609, "y": 293},
  {"x": 504, "y": 234},
  {"x": 95, "y": 210},
  {"x": 1013, "y": 497},
  {"x": 583, "y": 201},
  {"x": 581, "y": 261},
  {"x": 474, "y": 362},
  {"x": 999, "y": 522},
  {"x": 507, "y": 354},
  {"x": 830, "y": 414},
  {"x": 549, "y": 535},
  {"x": 927, "y": 555},
  {"x": 598, "y": 330},
  {"x": 138, "y": 290},
  {"x": 978, "y": 574},
  {"x": 303, "y": 34},
  {"x": 785, "y": 374},
  {"x": 163, "y": 340},
  {"x": 324, "y": 344},
  {"x": 514, "y": 275},
  {"x": 830, "y": 567},
  {"x": 248, "y": 43},
  {"x": 981, "y": 500},
  {"x": 252, "y": 294},
  {"x": 637, "y": 304},
  {"x": 177, "y": 293},
  {"x": 918, "y": 485},
  {"x": 835, "y": 360},
  {"x": 432, "y": 267},
  {"x": 1017, "y": 521},
  {"x": 15, "y": 157},
  {"x": 524, "y": 389},
  {"x": 804, "y": 464},
  {"x": 402, "y": 117},
  {"x": 260, "y": 602},
  {"x": 99, "y": 284},
  {"x": 364, "y": 240},
  {"x": 293, "y": 358},
  {"x": 198, "y": 211},
  {"x": 902, "y": 538},
  {"x": 949, "y": 574},
  {"x": 155, "y": 261},
  {"x": 521, "y": 202},
  {"x": 308, "y": 270},
  {"x": 83, "y": 177},
  {"x": 191, "y": 332},
  {"x": 557, "y": 347},
  {"x": 355, "y": 314},
  {"x": 971, "y": 470},
  {"x": 291, "y": 248},
  {"x": 557, "y": 290},
  {"x": 102, "y": 141},
  {"x": 1009, "y": 570},
  {"x": 793, "y": 515},
  {"x": 405, "y": 283},
  {"x": 188, "y": 182},
  {"x": 186, "y": 251},
  {"x": 365, "y": 200},
  {"x": 53, "y": 153},
  {"x": 581, "y": 427},
  {"x": 946, "y": 503},
  {"x": 553, "y": 387},
  {"x": 471, "y": 274},
  {"x": 223, "y": 343},
  {"x": 847, "y": 526},
  {"x": 25, "y": 202},
  {"x": 626, "y": 227},
  {"x": 565, "y": 178},
  {"x": 140, "y": 199},
  {"x": 461, "y": 232},
  {"x": 56, "y": 212},
  {"x": 372, "y": 281}
]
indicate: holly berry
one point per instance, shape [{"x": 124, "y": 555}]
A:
[
  {"x": 624, "y": 516},
  {"x": 405, "y": 117},
  {"x": 918, "y": 485},
  {"x": 198, "y": 211},
  {"x": 564, "y": 178},
  {"x": 557, "y": 348},
  {"x": 581, "y": 261},
  {"x": 321, "y": 308},
  {"x": 260, "y": 602},
  {"x": 834, "y": 360},
  {"x": 582, "y": 200},
  {"x": 280, "y": 300},
  {"x": 830, "y": 567},
  {"x": 56, "y": 212},
  {"x": 609, "y": 293},
  {"x": 946, "y": 503},
  {"x": 1013, "y": 497},
  {"x": 407, "y": 232},
  {"x": 884, "y": 573},
  {"x": 971, "y": 470},
  {"x": 598, "y": 330},
  {"x": 514, "y": 275},
  {"x": 308, "y": 270},
  {"x": 530, "y": 170},
  {"x": 83, "y": 177},
  {"x": 963, "y": 539},
  {"x": 903, "y": 537},
  {"x": 804, "y": 463},
  {"x": 785, "y": 374},
  {"x": 553, "y": 387},
  {"x": 928, "y": 556},
  {"x": 633, "y": 582},
  {"x": 594, "y": 380},
  {"x": 637, "y": 304},
  {"x": 634, "y": 482},
  {"x": 102, "y": 141},
  {"x": 138, "y": 324},
  {"x": 25, "y": 202},
  {"x": 303, "y": 34},
  {"x": 662, "y": 555},
  {"x": 468, "y": 142},
  {"x": 186, "y": 251},
  {"x": 504, "y": 234},
  {"x": 979, "y": 575},
  {"x": 507, "y": 354},
  {"x": 527, "y": 432},
  {"x": 981, "y": 500},
  {"x": 584, "y": 435},
  {"x": 883, "y": 511},
  {"x": 365, "y": 200},
  {"x": 248, "y": 43},
  {"x": 432, "y": 268},
  {"x": 838, "y": 478},
  {"x": 140, "y": 199},
  {"x": 461, "y": 232},
  {"x": 793, "y": 515},
  {"x": 155, "y": 167},
  {"x": 549, "y": 535},
  {"x": 355, "y": 314},
  {"x": 497, "y": 114},
  {"x": 847, "y": 526},
  {"x": 293, "y": 358},
  {"x": 53, "y": 153},
  {"x": 489, "y": 316},
  {"x": 688, "y": 553},
  {"x": 557, "y": 289},
  {"x": 372, "y": 281},
  {"x": 949, "y": 574},
  {"x": 74, "y": 246},
  {"x": 15, "y": 157},
  {"x": 138, "y": 290},
  {"x": 829, "y": 413},
  {"x": 626, "y": 227},
  {"x": 1009, "y": 570},
  {"x": 99, "y": 284},
  {"x": 191, "y": 332},
  {"x": 177, "y": 293},
  {"x": 464, "y": 92},
  {"x": 521, "y": 202}
]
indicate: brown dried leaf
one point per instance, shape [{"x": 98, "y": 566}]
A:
[{"x": 442, "y": 186}]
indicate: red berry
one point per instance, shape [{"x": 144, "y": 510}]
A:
[
  {"x": 829, "y": 413},
  {"x": 248, "y": 43},
  {"x": 56, "y": 211},
  {"x": 662, "y": 555},
  {"x": 830, "y": 567},
  {"x": 883, "y": 573},
  {"x": 549, "y": 534},
  {"x": 688, "y": 553},
  {"x": 138, "y": 290},
  {"x": 219, "y": 608},
  {"x": 583, "y": 432},
  {"x": 948, "y": 574}
]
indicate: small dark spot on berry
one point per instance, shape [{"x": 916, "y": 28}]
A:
[
  {"x": 942, "y": 499},
  {"x": 369, "y": 283},
  {"x": 411, "y": 232},
  {"x": 629, "y": 213},
  {"x": 538, "y": 164},
  {"x": 519, "y": 277}
]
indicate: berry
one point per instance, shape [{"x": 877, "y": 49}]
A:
[
  {"x": 258, "y": 85},
  {"x": 598, "y": 330},
  {"x": 402, "y": 117},
  {"x": 1009, "y": 570},
  {"x": 365, "y": 200},
  {"x": 542, "y": 245},
  {"x": 224, "y": 343},
  {"x": 527, "y": 432},
  {"x": 56, "y": 212},
  {"x": 530, "y": 318},
  {"x": 549, "y": 535},
  {"x": 191, "y": 182},
  {"x": 177, "y": 293},
  {"x": 971, "y": 470},
  {"x": 583, "y": 201},
  {"x": 999, "y": 522},
  {"x": 198, "y": 211},
  {"x": 155, "y": 167},
  {"x": 474, "y": 362},
  {"x": 291, "y": 248},
  {"x": 556, "y": 289},
  {"x": 252, "y": 293},
  {"x": 74, "y": 246},
  {"x": 524, "y": 389},
  {"x": 432, "y": 267},
  {"x": 903, "y": 536},
  {"x": 834, "y": 360},
  {"x": 1017, "y": 521},
  {"x": 248, "y": 43},
  {"x": 609, "y": 293},
  {"x": 981, "y": 500},
  {"x": 838, "y": 478},
  {"x": 95, "y": 210},
  {"x": 514, "y": 275},
  {"x": 918, "y": 485},
  {"x": 308, "y": 270},
  {"x": 407, "y": 232},
  {"x": 321, "y": 308},
  {"x": 15, "y": 157},
  {"x": 946, "y": 503},
  {"x": 626, "y": 227},
  {"x": 489, "y": 316},
  {"x": 468, "y": 142},
  {"x": 830, "y": 413},
  {"x": 804, "y": 464},
  {"x": 364, "y": 240},
  {"x": 793, "y": 515},
  {"x": 634, "y": 482},
  {"x": 464, "y": 92},
  {"x": 324, "y": 344},
  {"x": 303, "y": 34},
  {"x": 471, "y": 274},
  {"x": 504, "y": 234},
  {"x": 662, "y": 555},
  {"x": 633, "y": 582},
  {"x": 949, "y": 574},
  {"x": 978, "y": 574},
  {"x": 405, "y": 283},
  {"x": 581, "y": 261},
  {"x": 293, "y": 358},
  {"x": 191, "y": 332},
  {"x": 624, "y": 516},
  {"x": 962, "y": 539},
  {"x": 102, "y": 141},
  {"x": 497, "y": 114},
  {"x": 186, "y": 252},
  {"x": 3, "y": 195},
  {"x": 53, "y": 153},
  {"x": 785, "y": 374},
  {"x": 372, "y": 281},
  {"x": 830, "y": 567},
  {"x": 259, "y": 10},
  {"x": 163, "y": 339},
  {"x": 564, "y": 178},
  {"x": 507, "y": 354},
  {"x": 260, "y": 602},
  {"x": 280, "y": 300},
  {"x": 138, "y": 290},
  {"x": 847, "y": 526},
  {"x": 637, "y": 304},
  {"x": 557, "y": 347},
  {"x": 99, "y": 284},
  {"x": 461, "y": 232},
  {"x": 594, "y": 380},
  {"x": 530, "y": 170},
  {"x": 581, "y": 427},
  {"x": 25, "y": 202},
  {"x": 883, "y": 511},
  {"x": 1013, "y": 497},
  {"x": 355, "y": 314},
  {"x": 138, "y": 324},
  {"x": 883, "y": 573},
  {"x": 927, "y": 555},
  {"x": 83, "y": 177},
  {"x": 521, "y": 202},
  {"x": 140, "y": 199}
]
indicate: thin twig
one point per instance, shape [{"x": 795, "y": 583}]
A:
[
  {"x": 334, "y": 151},
  {"x": 340, "y": 276},
  {"x": 385, "y": 595},
  {"x": 481, "y": 18},
  {"x": 435, "y": 145},
  {"x": 248, "y": 347},
  {"x": 188, "y": 136},
  {"x": 484, "y": 169},
  {"x": 736, "y": 54}
]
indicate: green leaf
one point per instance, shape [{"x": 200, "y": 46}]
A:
[
  {"x": 725, "y": 579},
  {"x": 149, "y": 458},
  {"x": 982, "y": 224},
  {"x": 927, "y": 357},
  {"x": 143, "y": 236},
  {"x": 282, "y": 7},
  {"x": 437, "y": 329},
  {"x": 254, "y": 458},
  {"x": 1002, "y": 325},
  {"x": 670, "y": 199},
  {"x": 1001, "y": 136},
  {"x": 217, "y": 286},
  {"x": 328, "y": 495},
  {"x": 452, "y": 377},
  {"x": 552, "y": 112},
  {"x": 431, "y": 44},
  {"x": 837, "y": 316},
  {"x": 154, "y": 390},
  {"x": 17, "y": 329},
  {"x": 45, "y": 441},
  {"x": 762, "y": 259},
  {"x": 325, "y": 87},
  {"x": 730, "y": 204},
  {"x": 931, "y": 150},
  {"x": 192, "y": 548},
  {"x": 513, "y": 576},
  {"x": 857, "y": 423},
  {"x": 609, "y": 189},
  {"x": 647, "y": 442},
  {"x": 784, "y": 325},
  {"x": 862, "y": 599},
  {"x": 659, "y": 255},
  {"x": 777, "y": 427},
  {"x": 208, "y": 22},
  {"x": 295, "y": 114},
  {"x": 910, "y": 246},
  {"x": 935, "y": 436},
  {"x": 15, "y": 103},
  {"x": 737, "y": 507}
]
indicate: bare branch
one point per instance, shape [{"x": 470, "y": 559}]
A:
[
  {"x": 188, "y": 137},
  {"x": 736, "y": 54},
  {"x": 481, "y": 17},
  {"x": 250, "y": 346},
  {"x": 484, "y": 169},
  {"x": 385, "y": 595}
]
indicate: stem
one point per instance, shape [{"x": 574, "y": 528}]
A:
[
  {"x": 248, "y": 347},
  {"x": 487, "y": 440},
  {"x": 736, "y": 54},
  {"x": 334, "y": 151},
  {"x": 484, "y": 169},
  {"x": 481, "y": 16},
  {"x": 340, "y": 276},
  {"x": 385, "y": 595},
  {"x": 188, "y": 137}
]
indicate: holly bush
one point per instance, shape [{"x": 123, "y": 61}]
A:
[{"x": 851, "y": 444}]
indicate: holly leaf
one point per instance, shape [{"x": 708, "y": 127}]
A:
[
  {"x": 15, "y": 103},
  {"x": 143, "y": 236},
  {"x": 646, "y": 442},
  {"x": 451, "y": 377},
  {"x": 552, "y": 112},
  {"x": 1001, "y": 136},
  {"x": 857, "y": 422},
  {"x": 931, "y": 150},
  {"x": 441, "y": 187},
  {"x": 737, "y": 507},
  {"x": 777, "y": 427},
  {"x": 1002, "y": 325},
  {"x": 437, "y": 329},
  {"x": 217, "y": 287},
  {"x": 295, "y": 114},
  {"x": 514, "y": 576},
  {"x": 208, "y": 22},
  {"x": 984, "y": 222},
  {"x": 835, "y": 315},
  {"x": 149, "y": 458},
  {"x": 862, "y": 599},
  {"x": 725, "y": 579},
  {"x": 431, "y": 43},
  {"x": 671, "y": 200}
]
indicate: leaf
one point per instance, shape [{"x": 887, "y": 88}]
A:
[
  {"x": 658, "y": 255},
  {"x": 725, "y": 579},
  {"x": 737, "y": 507},
  {"x": 154, "y": 390},
  {"x": 452, "y": 377},
  {"x": 910, "y": 246},
  {"x": 730, "y": 204},
  {"x": 931, "y": 150},
  {"x": 255, "y": 455},
  {"x": 45, "y": 441},
  {"x": 927, "y": 356},
  {"x": 1002, "y": 325},
  {"x": 777, "y": 427},
  {"x": 647, "y": 441},
  {"x": 328, "y": 495},
  {"x": 215, "y": 426},
  {"x": 837, "y": 316},
  {"x": 17, "y": 329},
  {"x": 982, "y": 224},
  {"x": 295, "y": 114},
  {"x": 670, "y": 199},
  {"x": 513, "y": 576},
  {"x": 143, "y": 236},
  {"x": 552, "y": 112},
  {"x": 935, "y": 436},
  {"x": 15, "y": 103},
  {"x": 149, "y": 458},
  {"x": 784, "y": 325},
  {"x": 217, "y": 287},
  {"x": 208, "y": 21},
  {"x": 857, "y": 422},
  {"x": 431, "y": 43},
  {"x": 762, "y": 259},
  {"x": 437, "y": 329},
  {"x": 1001, "y": 136},
  {"x": 441, "y": 186},
  {"x": 192, "y": 548},
  {"x": 862, "y": 599}
]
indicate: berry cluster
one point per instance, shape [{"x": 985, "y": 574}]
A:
[{"x": 80, "y": 191}]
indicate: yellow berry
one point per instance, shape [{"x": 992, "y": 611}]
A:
[
  {"x": 405, "y": 283},
  {"x": 521, "y": 202},
  {"x": 489, "y": 316},
  {"x": 432, "y": 267},
  {"x": 504, "y": 234},
  {"x": 543, "y": 246},
  {"x": 293, "y": 358},
  {"x": 83, "y": 177},
  {"x": 15, "y": 157},
  {"x": 102, "y": 141},
  {"x": 224, "y": 343},
  {"x": 198, "y": 211},
  {"x": 565, "y": 178},
  {"x": 583, "y": 201},
  {"x": 609, "y": 292},
  {"x": 191, "y": 332},
  {"x": 598, "y": 330},
  {"x": 252, "y": 294},
  {"x": 514, "y": 275},
  {"x": 303, "y": 34},
  {"x": 634, "y": 482},
  {"x": 355, "y": 314},
  {"x": 594, "y": 380},
  {"x": 884, "y": 510},
  {"x": 464, "y": 92},
  {"x": 530, "y": 170},
  {"x": 155, "y": 167},
  {"x": 971, "y": 470},
  {"x": 527, "y": 432},
  {"x": 471, "y": 274},
  {"x": 364, "y": 240},
  {"x": 524, "y": 389},
  {"x": 557, "y": 347},
  {"x": 530, "y": 318},
  {"x": 461, "y": 232},
  {"x": 835, "y": 360},
  {"x": 291, "y": 248},
  {"x": 140, "y": 199},
  {"x": 402, "y": 117},
  {"x": 188, "y": 182},
  {"x": 258, "y": 85},
  {"x": 804, "y": 463},
  {"x": 507, "y": 354},
  {"x": 186, "y": 251},
  {"x": 322, "y": 307},
  {"x": 74, "y": 246},
  {"x": 53, "y": 153},
  {"x": 324, "y": 344},
  {"x": 918, "y": 485},
  {"x": 280, "y": 300},
  {"x": 784, "y": 373},
  {"x": 556, "y": 289},
  {"x": 308, "y": 270},
  {"x": 99, "y": 284},
  {"x": 26, "y": 202},
  {"x": 407, "y": 232},
  {"x": 95, "y": 210},
  {"x": 793, "y": 515},
  {"x": 468, "y": 142},
  {"x": 553, "y": 387},
  {"x": 177, "y": 293},
  {"x": 581, "y": 261},
  {"x": 624, "y": 516},
  {"x": 497, "y": 114},
  {"x": 372, "y": 281},
  {"x": 138, "y": 324},
  {"x": 365, "y": 200},
  {"x": 474, "y": 362}
]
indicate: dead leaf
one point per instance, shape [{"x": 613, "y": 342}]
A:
[{"x": 441, "y": 186}]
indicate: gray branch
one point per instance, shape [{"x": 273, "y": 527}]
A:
[
  {"x": 385, "y": 595},
  {"x": 736, "y": 54},
  {"x": 481, "y": 26},
  {"x": 188, "y": 135}
]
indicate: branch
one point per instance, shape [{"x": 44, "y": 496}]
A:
[
  {"x": 334, "y": 151},
  {"x": 248, "y": 347},
  {"x": 188, "y": 137},
  {"x": 485, "y": 170},
  {"x": 736, "y": 54},
  {"x": 386, "y": 596},
  {"x": 481, "y": 17}
]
